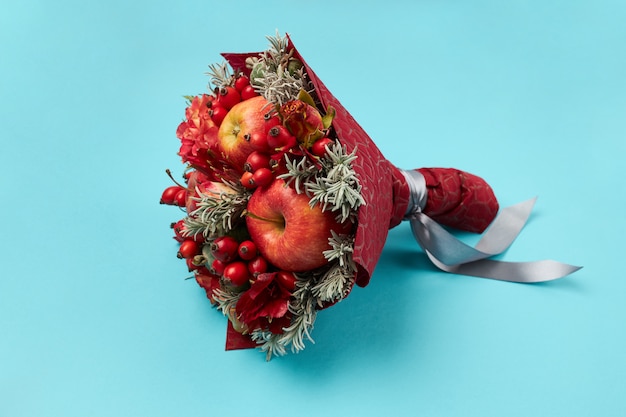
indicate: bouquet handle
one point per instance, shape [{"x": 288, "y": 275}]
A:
[{"x": 476, "y": 209}]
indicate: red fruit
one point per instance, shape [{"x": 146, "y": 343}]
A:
[
  {"x": 279, "y": 136},
  {"x": 247, "y": 250},
  {"x": 257, "y": 266},
  {"x": 235, "y": 132},
  {"x": 271, "y": 119},
  {"x": 178, "y": 229},
  {"x": 218, "y": 266},
  {"x": 289, "y": 233},
  {"x": 303, "y": 121},
  {"x": 319, "y": 147},
  {"x": 262, "y": 177},
  {"x": 224, "y": 248},
  {"x": 218, "y": 113},
  {"x": 169, "y": 195},
  {"x": 287, "y": 280},
  {"x": 247, "y": 180},
  {"x": 188, "y": 249},
  {"x": 237, "y": 273},
  {"x": 228, "y": 97},
  {"x": 277, "y": 159},
  {"x": 248, "y": 92},
  {"x": 181, "y": 197},
  {"x": 256, "y": 160},
  {"x": 191, "y": 266},
  {"x": 241, "y": 82},
  {"x": 258, "y": 142}
]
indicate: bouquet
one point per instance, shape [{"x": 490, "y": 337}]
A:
[{"x": 288, "y": 202}]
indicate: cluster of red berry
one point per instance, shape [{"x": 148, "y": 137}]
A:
[
  {"x": 238, "y": 261},
  {"x": 226, "y": 97}
]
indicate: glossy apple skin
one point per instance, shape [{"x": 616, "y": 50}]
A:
[
  {"x": 245, "y": 118},
  {"x": 287, "y": 231}
]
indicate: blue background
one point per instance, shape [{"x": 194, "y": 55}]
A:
[{"x": 96, "y": 318}]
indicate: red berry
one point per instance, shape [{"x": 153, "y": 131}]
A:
[
  {"x": 228, "y": 97},
  {"x": 248, "y": 92},
  {"x": 224, "y": 248},
  {"x": 256, "y": 160},
  {"x": 169, "y": 195},
  {"x": 257, "y": 266},
  {"x": 247, "y": 180},
  {"x": 277, "y": 160},
  {"x": 241, "y": 82},
  {"x": 278, "y": 137},
  {"x": 218, "y": 266},
  {"x": 181, "y": 198},
  {"x": 247, "y": 250},
  {"x": 291, "y": 143},
  {"x": 287, "y": 280},
  {"x": 263, "y": 177},
  {"x": 258, "y": 142},
  {"x": 271, "y": 119},
  {"x": 237, "y": 273},
  {"x": 319, "y": 147},
  {"x": 188, "y": 249},
  {"x": 218, "y": 113},
  {"x": 191, "y": 266},
  {"x": 178, "y": 230}
]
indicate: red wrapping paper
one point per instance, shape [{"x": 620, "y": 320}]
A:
[{"x": 455, "y": 198}]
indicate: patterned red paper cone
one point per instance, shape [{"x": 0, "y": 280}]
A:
[
  {"x": 454, "y": 198},
  {"x": 262, "y": 310}
]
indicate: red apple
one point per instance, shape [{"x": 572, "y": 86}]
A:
[
  {"x": 287, "y": 231},
  {"x": 242, "y": 121}
]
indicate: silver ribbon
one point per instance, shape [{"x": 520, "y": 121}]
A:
[{"x": 451, "y": 255}]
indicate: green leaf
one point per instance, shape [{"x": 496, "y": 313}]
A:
[
  {"x": 327, "y": 119},
  {"x": 306, "y": 97}
]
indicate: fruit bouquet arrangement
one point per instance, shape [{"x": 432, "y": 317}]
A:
[{"x": 288, "y": 202}]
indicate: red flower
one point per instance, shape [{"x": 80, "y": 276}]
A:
[
  {"x": 265, "y": 305},
  {"x": 198, "y": 133},
  {"x": 303, "y": 121},
  {"x": 209, "y": 282}
]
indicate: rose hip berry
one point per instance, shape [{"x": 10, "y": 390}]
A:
[
  {"x": 241, "y": 82},
  {"x": 248, "y": 92},
  {"x": 257, "y": 266},
  {"x": 218, "y": 266},
  {"x": 218, "y": 113},
  {"x": 247, "y": 250},
  {"x": 287, "y": 280},
  {"x": 262, "y": 177},
  {"x": 258, "y": 142},
  {"x": 271, "y": 119},
  {"x": 228, "y": 97},
  {"x": 178, "y": 228},
  {"x": 181, "y": 198},
  {"x": 247, "y": 180},
  {"x": 188, "y": 249},
  {"x": 279, "y": 137},
  {"x": 319, "y": 147},
  {"x": 237, "y": 273},
  {"x": 256, "y": 160},
  {"x": 169, "y": 195},
  {"x": 224, "y": 248}
]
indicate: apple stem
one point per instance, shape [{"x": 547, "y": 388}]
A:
[{"x": 254, "y": 216}]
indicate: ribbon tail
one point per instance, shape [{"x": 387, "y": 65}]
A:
[
  {"x": 451, "y": 255},
  {"x": 522, "y": 272},
  {"x": 506, "y": 227}
]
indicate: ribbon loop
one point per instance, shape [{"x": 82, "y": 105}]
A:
[{"x": 451, "y": 255}]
